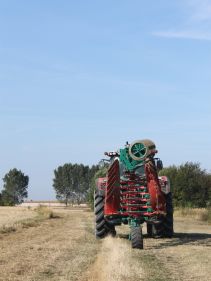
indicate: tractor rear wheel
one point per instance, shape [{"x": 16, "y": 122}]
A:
[
  {"x": 102, "y": 227},
  {"x": 165, "y": 227},
  {"x": 137, "y": 237}
]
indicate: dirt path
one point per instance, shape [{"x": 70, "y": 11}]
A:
[{"x": 65, "y": 249}]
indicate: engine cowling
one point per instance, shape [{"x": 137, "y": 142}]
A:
[{"x": 141, "y": 149}]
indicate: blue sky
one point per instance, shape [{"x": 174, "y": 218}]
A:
[{"x": 78, "y": 78}]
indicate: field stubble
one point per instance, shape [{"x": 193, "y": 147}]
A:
[
  {"x": 65, "y": 249},
  {"x": 12, "y": 215}
]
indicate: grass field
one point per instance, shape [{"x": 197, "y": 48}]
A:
[
  {"x": 64, "y": 248},
  {"x": 13, "y": 218},
  {"x": 200, "y": 214},
  {"x": 9, "y": 216}
]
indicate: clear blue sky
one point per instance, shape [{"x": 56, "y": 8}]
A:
[{"x": 78, "y": 78}]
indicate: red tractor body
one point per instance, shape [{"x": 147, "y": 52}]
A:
[{"x": 132, "y": 193}]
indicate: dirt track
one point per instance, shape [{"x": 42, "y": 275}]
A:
[{"x": 65, "y": 249}]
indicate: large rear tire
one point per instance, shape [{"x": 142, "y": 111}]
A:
[
  {"x": 166, "y": 227},
  {"x": 102, "y": 227},
  {"x": 137, "y": 237}
]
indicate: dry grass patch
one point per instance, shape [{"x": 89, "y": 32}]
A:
[
  {"x": 12, "y": 218},
  {"x": 203, "y": 214},
  {"x": 45, "y": 212},
  {"x": 11, "y": 215},
  {"x": 56, "y": 250},
  {"x": 117, "y": 261}
]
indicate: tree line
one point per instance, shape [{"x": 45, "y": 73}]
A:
[
  {"x": 15, "y": 185},
  {"x": 75, "y": 183},
  {"x": 72, "y": 182},
  {"x": 190, "y": 185}
]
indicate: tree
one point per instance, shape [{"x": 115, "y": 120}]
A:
[
  {"x": 1, "y": 202},
  {"x": 72, "y": 181},
  {"x": 61, "y": 184},
  {"x": 190, "y": 184},
  {"x": 14, "y": 188},
  {"x": 208, "y": 190}
]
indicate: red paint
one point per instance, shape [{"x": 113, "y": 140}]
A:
[
  {"x": 112, "y": 195},
  {"x": 101, "y": 183},
  {"x": 132, "y": 202},
  {"x": 156, "y": 196}
]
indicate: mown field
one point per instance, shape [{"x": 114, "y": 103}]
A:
[
  {"x": 60, "y": 246},
  {"x": 11, "y": 216}
]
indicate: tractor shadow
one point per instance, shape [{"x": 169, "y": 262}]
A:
[{"x": 178, "y": 239}]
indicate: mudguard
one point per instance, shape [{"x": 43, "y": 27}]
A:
[{"x": 112, "y": 193}]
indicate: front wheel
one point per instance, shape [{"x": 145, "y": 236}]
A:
[{"x": 137, "y": 237}]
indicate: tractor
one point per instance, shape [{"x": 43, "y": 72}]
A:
[{"x": 132, "y": 193}]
